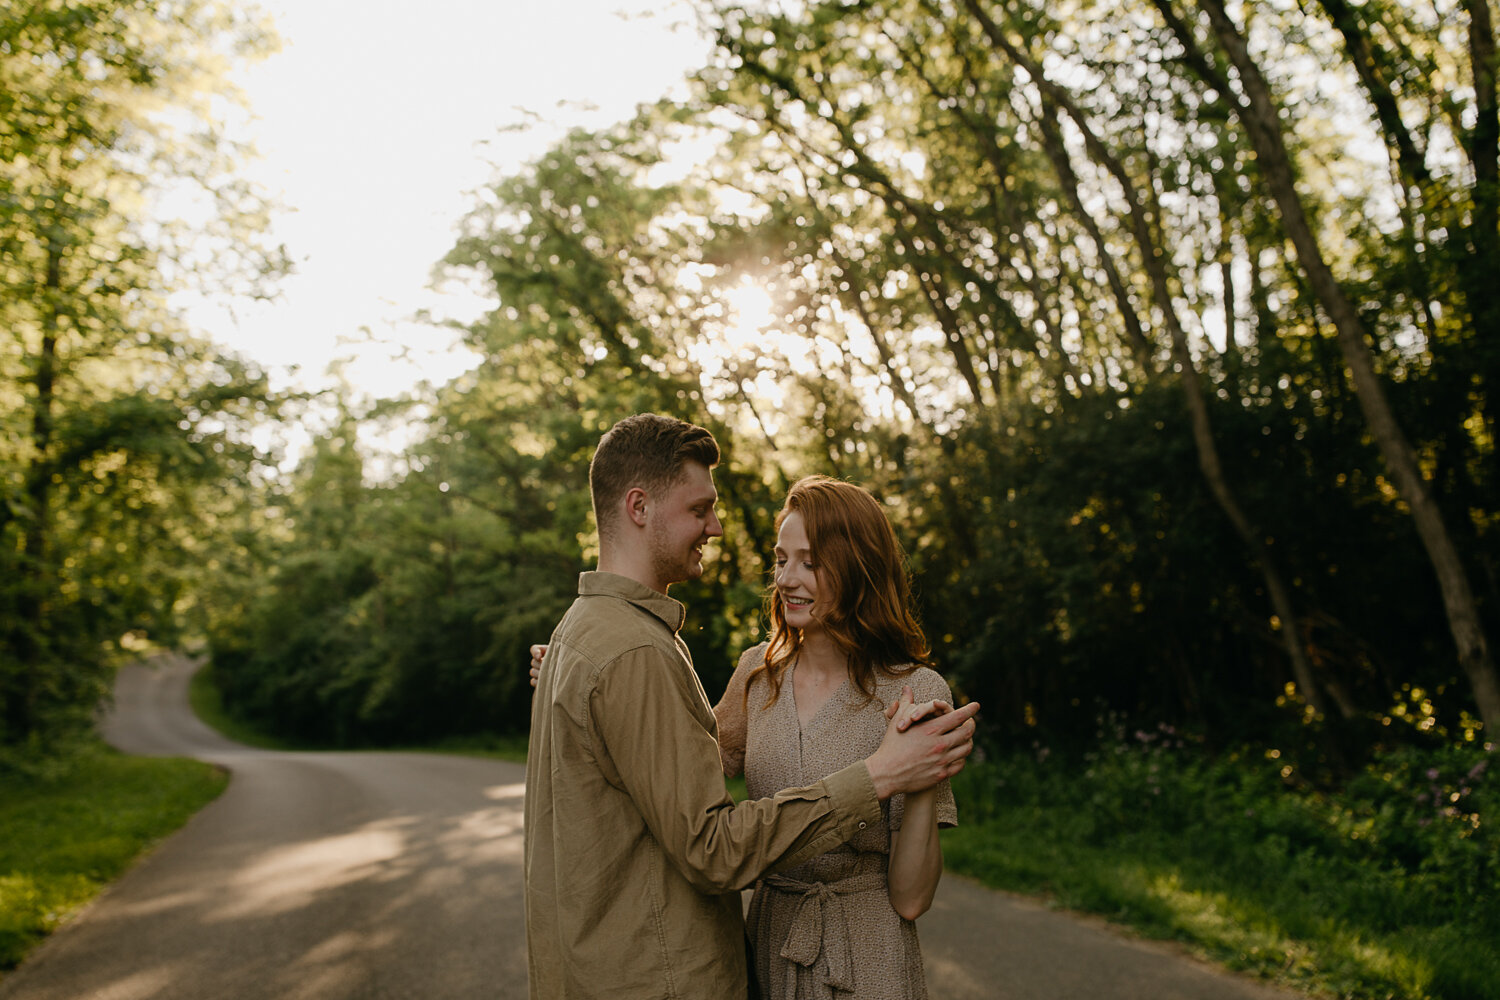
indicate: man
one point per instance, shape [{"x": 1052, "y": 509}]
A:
[{"x": 634, "y": 851}]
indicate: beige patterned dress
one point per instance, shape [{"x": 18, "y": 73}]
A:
[{"x": 826, "y": 929}]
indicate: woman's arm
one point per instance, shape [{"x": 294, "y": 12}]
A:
[
  {"x": 916, "y": 863},
  {"x": 916, "y": 857},
  {"x": 732, "y": 718}
]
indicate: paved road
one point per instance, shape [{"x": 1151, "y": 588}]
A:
[{"x": 342, "y": 876}]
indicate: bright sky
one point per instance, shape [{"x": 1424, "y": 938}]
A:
[{"x": 376, "y": 120}]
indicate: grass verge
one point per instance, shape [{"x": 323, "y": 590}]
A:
[
  {"x": 67, "y": 833},
  {"x": 1315, "y": 892}
]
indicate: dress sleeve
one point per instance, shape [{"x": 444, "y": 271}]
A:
[
  {"x": 651, "y": 721},
  {"x": 731, "y": 714},
  {"x": 928, "y": 685}
]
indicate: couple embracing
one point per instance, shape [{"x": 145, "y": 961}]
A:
[{"x": 634, "y": 850}]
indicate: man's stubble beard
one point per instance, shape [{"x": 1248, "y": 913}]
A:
[{"x": 673, "y": 565}]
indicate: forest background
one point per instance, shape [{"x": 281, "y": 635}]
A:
[{"x": 1167, "y": 331}]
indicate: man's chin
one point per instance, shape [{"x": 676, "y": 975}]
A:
[{"x": 687, "y": 572}]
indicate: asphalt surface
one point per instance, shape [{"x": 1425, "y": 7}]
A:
[{"x": 342, "y": 876}]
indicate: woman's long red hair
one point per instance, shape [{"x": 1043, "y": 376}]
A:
[{"x": 864, "y": 588}]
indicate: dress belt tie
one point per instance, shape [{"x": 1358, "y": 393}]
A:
[{"x": 820, "y": 925}]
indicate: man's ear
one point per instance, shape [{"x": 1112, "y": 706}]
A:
[{"x": 636, "y": 504}]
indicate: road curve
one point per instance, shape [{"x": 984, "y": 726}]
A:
[
  {"x": 365, "y": 876},
  {"x": 315, "y": 875}
]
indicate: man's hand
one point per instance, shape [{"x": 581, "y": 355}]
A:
[
  {"x": 915, "y": 755},
  {"x": 537, "y": 652}
]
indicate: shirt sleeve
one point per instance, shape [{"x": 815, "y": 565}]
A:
[
  {"x": 653, "y": 721},
  {"x": 927, "y": 685},
  {"x": 733, "y": 719}
]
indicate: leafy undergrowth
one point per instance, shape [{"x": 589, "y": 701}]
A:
[
  {"x": 208, "y": 705},
  {"x": 1385, "y": 889}
]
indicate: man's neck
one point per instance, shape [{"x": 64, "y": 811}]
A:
[{"x": 630, "y": 569}]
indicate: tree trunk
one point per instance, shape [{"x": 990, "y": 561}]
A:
[
  {"x": 1484, "y": 241},
  {"x": 1484, "y": 141},
  {"x": 21, "y": 709},
  {"x": 1264, "y": 127}
]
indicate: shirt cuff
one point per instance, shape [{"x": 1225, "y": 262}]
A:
[{"x": 852, "y": 795}]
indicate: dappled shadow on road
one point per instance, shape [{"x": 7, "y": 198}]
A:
[{"x": 420, "y": 898}]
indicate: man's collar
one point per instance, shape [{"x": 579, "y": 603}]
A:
[{"x": 597, "y": 584}]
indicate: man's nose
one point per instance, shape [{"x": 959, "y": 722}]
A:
[{"x": 715, "y": 529}]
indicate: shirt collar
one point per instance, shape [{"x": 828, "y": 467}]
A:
[{"x": 659, "y": 605}]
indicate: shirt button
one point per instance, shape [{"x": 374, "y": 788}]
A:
[{"x": 862, "y": 824}]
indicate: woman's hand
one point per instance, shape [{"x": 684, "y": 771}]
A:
[
  {"x": 537, "y": 652},
  {"x": 905, "y": 710}
]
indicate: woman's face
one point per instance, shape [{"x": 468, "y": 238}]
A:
[{"x": 796, "y": 573}]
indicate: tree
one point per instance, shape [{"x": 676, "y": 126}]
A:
[
  {"x": 117, "y": 415},
  {"x": 1254, "y": 102},
  {"x": 900, "y": 138}
]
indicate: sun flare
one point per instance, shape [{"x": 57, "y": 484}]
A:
[{"x": 749, "y": 311}]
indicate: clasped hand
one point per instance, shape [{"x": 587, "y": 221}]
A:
[{"x": 925, "y": 742}]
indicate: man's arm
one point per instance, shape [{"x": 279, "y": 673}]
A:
[
  {"x": 649, "y": 713},
  {"x": 669, "y": 764},
  {"x": 730, "y": 713}
]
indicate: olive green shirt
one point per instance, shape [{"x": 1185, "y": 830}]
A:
[{"x": 634, "y": 850}]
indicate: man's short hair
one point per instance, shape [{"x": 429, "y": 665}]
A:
[{"x": 646, "y": 450}]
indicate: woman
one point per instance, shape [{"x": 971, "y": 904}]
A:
[
  {"x": 844, "y": 655},
  {"x": 813, "y": 699}
]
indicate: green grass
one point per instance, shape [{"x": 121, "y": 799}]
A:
[
  {"x": 1260, "y": 878},
  {"x": 67, "y": 833}
]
